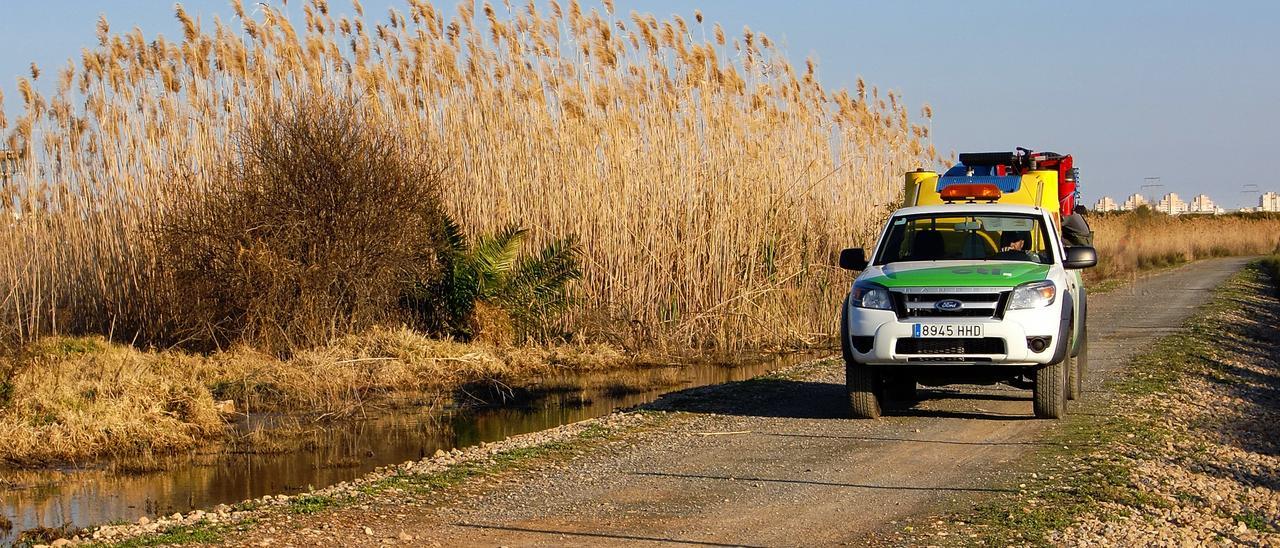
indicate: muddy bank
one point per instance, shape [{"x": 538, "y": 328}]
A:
[{"x": 76, "y": 399}]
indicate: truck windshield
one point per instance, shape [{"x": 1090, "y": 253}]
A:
[{"x": 949, "y": 237}]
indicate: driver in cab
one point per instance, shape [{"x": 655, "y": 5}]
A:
[{"x": 1014, "y": 246}]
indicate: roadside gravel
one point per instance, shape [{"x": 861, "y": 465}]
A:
[
  {"x": 1215, "y": 479},
  {"x": 1182, "y": 450}
]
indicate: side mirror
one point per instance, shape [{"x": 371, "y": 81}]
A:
[
  {"x": 854, "y": 258},
  {"x": 1080, "y": 256}
]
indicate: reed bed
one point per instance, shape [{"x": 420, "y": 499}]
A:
[
  {"x": 1128, "y": 243},
  {"x": 710, "y": 181}
]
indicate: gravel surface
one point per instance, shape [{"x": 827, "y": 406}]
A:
[
  {"x": 767, "y": 462},
  {"x": 1216, "y": 480}
]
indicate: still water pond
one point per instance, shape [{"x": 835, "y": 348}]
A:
[{"x": 325, "y": 454}]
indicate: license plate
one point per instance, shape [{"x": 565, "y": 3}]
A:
[{"x": 947, "y": 330}]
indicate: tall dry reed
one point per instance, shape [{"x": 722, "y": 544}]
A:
[{"x": 710, "y": 181}]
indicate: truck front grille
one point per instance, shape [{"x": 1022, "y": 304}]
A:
[
  {"x": 973, "y": 302},
  {"x": 985, "y": 345},
  {"x": 950, "y": 359}
]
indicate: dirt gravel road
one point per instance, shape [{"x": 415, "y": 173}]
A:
[{"x": 773, "y": 462}]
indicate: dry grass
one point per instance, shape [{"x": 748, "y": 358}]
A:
[
  {"x": 76, "y": 398},
  {"x": 711, "y": 182},
  {"x": 82, "y": 398},
  {"x": 1128, "y": 243}
]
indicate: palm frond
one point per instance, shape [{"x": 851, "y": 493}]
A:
[
  {"x": 532, "y": 288},
  {"x": 454, "y": 238},
  {"x": 494, "y": 256},
  {"x": 547, "y": 274},
  {"x": 537, "y": 292}
]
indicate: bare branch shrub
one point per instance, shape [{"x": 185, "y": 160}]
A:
[{"x": 321, "y": 223}]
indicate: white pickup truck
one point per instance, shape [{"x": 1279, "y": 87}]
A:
[{"x": 968, "y": 293}]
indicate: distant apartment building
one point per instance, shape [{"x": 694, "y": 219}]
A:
[
  {"x": 1105, "y": 204},
  {"x": 1203, "y": 204},
  {"x": 1171, "y": 204},
  {"x": 1269, "y": 201},
  {"x": 1133, "y": 202}
]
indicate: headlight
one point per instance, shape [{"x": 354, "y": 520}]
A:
[
  {"x": 871, "y": 297},
  {"x": 1033, "y": 295}
]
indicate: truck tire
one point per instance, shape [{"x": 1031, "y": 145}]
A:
[
  {"x": 1073, "y": 375},
  {"x": 1073, "y": 380},
  {"x": 863, "y": 384},
  {"x": 900, "y": 386},
  {"x": 1049, "y": 395},
  {"x": 1082, "y": 361}
]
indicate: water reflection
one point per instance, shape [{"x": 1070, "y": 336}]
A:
[{"x": 322, "y": 455}]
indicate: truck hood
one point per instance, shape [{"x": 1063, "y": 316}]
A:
[{"x": 955, "y": 273}]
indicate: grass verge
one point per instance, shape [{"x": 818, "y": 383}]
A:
[
  {"x": 202, "y": 532},
  {"x": 1180, "y": 448},
  {"x": 1271, "y": 267}
]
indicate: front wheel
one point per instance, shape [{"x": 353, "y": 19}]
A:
[
  {"x": 1049, "y": 395},
  {"x": 1075, "y": 379},
  {"x": 863, "y": 385},
  {"x": 1082, "y": 360}
]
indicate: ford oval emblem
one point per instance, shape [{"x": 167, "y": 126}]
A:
[{"x": 948, "y": 304}]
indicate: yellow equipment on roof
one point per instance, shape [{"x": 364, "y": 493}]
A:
[{"x": 1037, "y": 188}]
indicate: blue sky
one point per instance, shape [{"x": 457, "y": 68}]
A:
[{"x": 1184, "y": 91}]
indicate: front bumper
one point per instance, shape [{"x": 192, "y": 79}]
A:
[{"x": 883, "y": 329}]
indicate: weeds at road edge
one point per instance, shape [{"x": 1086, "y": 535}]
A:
[{"x": 1086, "y": 463}]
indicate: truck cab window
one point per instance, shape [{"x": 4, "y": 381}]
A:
[{"x": 946, "y": 237}]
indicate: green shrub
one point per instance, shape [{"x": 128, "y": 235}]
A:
[{"x": 530, "y": 289}]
